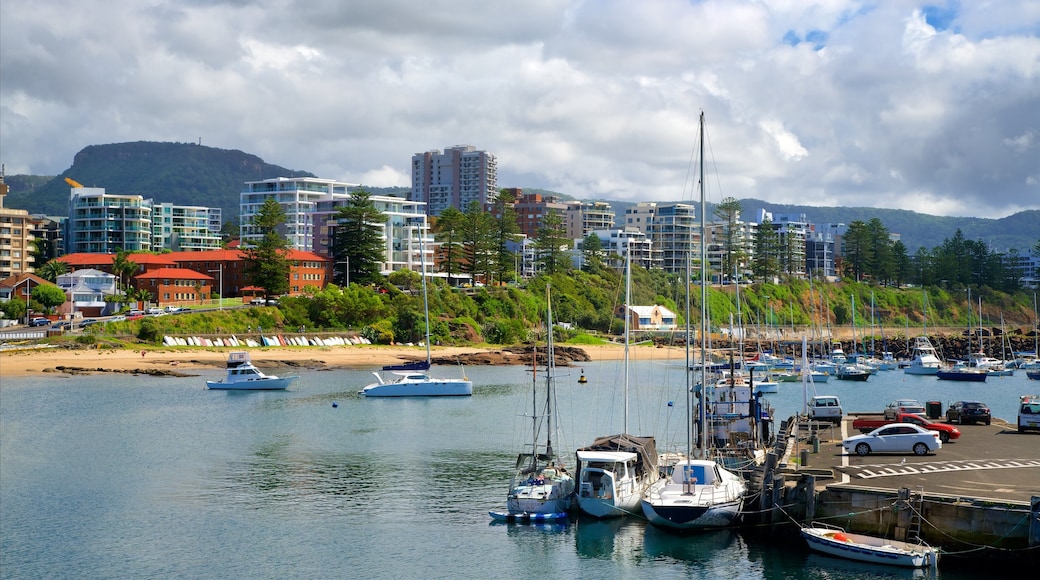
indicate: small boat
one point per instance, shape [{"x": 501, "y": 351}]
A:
[
  {"x": 962, "y": 373},
  {"x": 864, "y": 548},
  {"x": 242, "y": 375},
  {"x": 413, "y": 379},
  {"x": 924, "y": 360},
  {"x": 1034, "y": 375},
  {"x": 527, "y": 518},
  {"x": 851, "y": 372}
]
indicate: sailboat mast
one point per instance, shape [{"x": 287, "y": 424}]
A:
[
  {"x": 628, "y": 315},
  {"x": 425, "y": 298},
  {"x": 550, "y": 373},
  {"x": 704, "y": 301}
]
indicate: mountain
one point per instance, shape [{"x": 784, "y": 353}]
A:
[
  {"x": 190, "y": 174},
  {"x": 180, "y": 173}
]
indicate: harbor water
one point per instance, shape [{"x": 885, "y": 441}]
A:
[{"x": 116, "y": 476}]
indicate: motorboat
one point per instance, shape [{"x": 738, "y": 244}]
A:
[
  {"x": 960, "y": 372},
  {"x": 242, "y": 375},
  {"x": 863, "y": 548},
  {"x": 923, "y": 361}
]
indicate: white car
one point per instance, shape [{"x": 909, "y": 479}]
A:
[{"x": 894, "y": 438}]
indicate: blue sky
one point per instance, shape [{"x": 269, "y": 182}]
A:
[{"x": 932, "y": 107}]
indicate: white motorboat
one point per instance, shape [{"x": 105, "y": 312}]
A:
[
  {"x": 923, "y": 361},
  {"x": 242, "y": 375},
  {"x": 864, "y": 548}
]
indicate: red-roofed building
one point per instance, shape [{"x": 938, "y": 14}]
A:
[
  {"x": 177, "y": 285},
  {"x": 225, "y": 267}
]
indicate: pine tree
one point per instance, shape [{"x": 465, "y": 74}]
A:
[
  {"x": 360, "y": 244},
  {"x": 267, "y": 261}
]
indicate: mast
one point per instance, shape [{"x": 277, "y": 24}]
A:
[
  {"x": 628, "y": 315},
  {"x": 425, "y": 299},
  {"x": 550, "y": 367},
  {"x": 969, "y": 327},
  {"x": 704, "y": 304}
]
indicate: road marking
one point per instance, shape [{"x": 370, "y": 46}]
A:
[{"x": 888, "y": 470}]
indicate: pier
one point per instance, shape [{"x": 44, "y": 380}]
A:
[{"x": 978, "y": 496}]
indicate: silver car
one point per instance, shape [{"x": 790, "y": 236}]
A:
[{"x": 894, "y": 438}]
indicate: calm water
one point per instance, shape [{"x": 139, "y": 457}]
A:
[{"x": 141, "y": 477}]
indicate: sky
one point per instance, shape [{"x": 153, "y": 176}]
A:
[{"x": 898, "y": 104}]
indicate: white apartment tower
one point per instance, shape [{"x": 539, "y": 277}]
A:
[
  {"x": 455, "y": 178},
  {"x": 104, "y": 223},
  {"x": 298, "y": 197},
  {"x": 184, "y": 228}
]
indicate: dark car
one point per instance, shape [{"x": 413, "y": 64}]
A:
[
  {"x": 87, "y": 322},
  {"x": 968, "y": 412}
]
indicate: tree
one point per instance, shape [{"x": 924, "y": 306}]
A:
[
  {"x": 767, "y": 252},
  {"x": 551, "y": 243},
  {"x": 52, "y": 269},
  {"x": 902, "y": 267},
  {"x": 478, "y": 242},
  {"x": 229, "y": 231},
  {"x": 592, "y": 250},
  {"x": 505, "y": 230},
  {"x": 14, "y": 309},
  {"x": 360, "y": 241},
  {"x": 48, "y": 296},
  {"x": 857, "y": 250},
  {"x": 728, "y": 212},
  {"x": 448, "y": 230},
  {"x": 881, "y": 266},
  {"x": 123, "y": 268},
  {"x": 267, "y": 261}
]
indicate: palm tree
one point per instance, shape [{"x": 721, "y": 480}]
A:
[{"x": 51, "y": 270}]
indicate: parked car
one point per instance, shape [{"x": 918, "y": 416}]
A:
[
  {"x": 155, "y": 311},
  {"x": 173, "y": 309},
  {"x": 1029, "y": 413},
  {"x": 900, "y": 406},
  {"x": 87, "y": 322},
  {"x": 968, "y": 412},
  {"x": 826, "y": 408},
  {"x": 39, "y": 322},
  {"x": 868, "y": 423},
  {"x": 894, "y": 438},
  {"x": 66, "y": 325}
]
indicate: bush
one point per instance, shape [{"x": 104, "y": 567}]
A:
[
  {"x": 149, "y": 331},
  {"x": 86, "y": 339},
  {"x": 379, "y": 332}
]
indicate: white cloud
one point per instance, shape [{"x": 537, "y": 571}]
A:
[{"x": 844, "y": 101}]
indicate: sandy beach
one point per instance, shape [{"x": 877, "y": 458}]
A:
[{"x": 174, "y": 360}]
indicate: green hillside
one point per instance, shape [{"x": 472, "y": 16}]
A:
[{"x": 180, "y": 173}]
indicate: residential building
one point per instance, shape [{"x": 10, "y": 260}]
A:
[
  {"x": 21, "y": 286},
  {"x": 674, "y": 230},
  {"x": 177, "y": 286},
  {"x": 16, "y": 238},
  {"x": 454, "y": 178},
  {"x": 86, "y": 290},
  {"x": 48, "y": 236},
  {"x": 617, "y": 243},
  {"x": 182, "y": 228},
  {"x": 403, "y": 222},
  {"x": 106, "y": 223},
  {"x": 531, "y": 209},
  {"x": 581, "y": 218},
  {"x": 647, "y": 318},
  {"x": 792, "y": 231},
  {"x": 298, "y": 198}
]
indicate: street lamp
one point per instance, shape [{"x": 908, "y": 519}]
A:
[{"x": 220, "y": 293}]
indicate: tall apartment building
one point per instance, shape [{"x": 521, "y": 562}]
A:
[
  {"x": 181, "y": 228},
  {"x": 674, "y": 230},
  {"x": 16, "y": 239},
  {"x": 403, "y": 224},
  {"x": 105, "y": 223},
  {"x": 454, "y": 178},
  {"x": 299, "y": 198},
  {"x": 582, "y": 218},
  {"x": 793, "y": 231},
  {"x": 618, "y": 242}
]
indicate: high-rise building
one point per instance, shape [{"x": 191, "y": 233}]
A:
[
  {"x": 531, "y": 209},
  {"x": 298, "y": 197},
  {"x": 16, "y": 239},
  {"x": 181, "y": 228},
  {"x": 584, "y": 217},
  {"x": 673, "y": 229},
  {"x": 105, "y": 223},
  {"x": 455, "y": 178}
]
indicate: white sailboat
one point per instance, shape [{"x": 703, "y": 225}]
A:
[
  {"x": 923, "y": 359},
  {"x": 614, "y": 471},
  {"x": 414, "y": 379},
  {"x": 698, "y": 494},
  {"x": 541, "y": 489}
]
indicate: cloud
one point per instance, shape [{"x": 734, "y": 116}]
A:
[{"x": 899, "y": 104}]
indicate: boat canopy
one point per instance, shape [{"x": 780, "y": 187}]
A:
[
  {"x": 644, "y": 447},
  {"x": 419, "y": 365}
]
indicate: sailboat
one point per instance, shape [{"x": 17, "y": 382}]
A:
[
  {"x": 923, "y": 360},
  {"x": 614, "y": 470},
  {"x": 959, "y": 371},
  {"x": 413, "y": 379},
  {"x": 698, "y": 493},
  {"x": 541, "y": 489}
]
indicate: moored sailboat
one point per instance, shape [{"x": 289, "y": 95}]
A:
[
  {"x": 614, "y": 470},
  {"x": 698, "y": 493},
  {"x": 541, "y": 489}
]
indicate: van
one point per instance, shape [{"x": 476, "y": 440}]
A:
[
  {"x": 826, "y": 408},
  {"x": 1029, "y": 413}
]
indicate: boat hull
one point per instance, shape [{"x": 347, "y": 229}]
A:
[
  {"x": 269, "y": 384},
  {"x": 528, "y": 518},
  {"x": 974, "y": 377},
  {"x": 869, "y": 549},
  {"x": 420, "y": 388}
]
